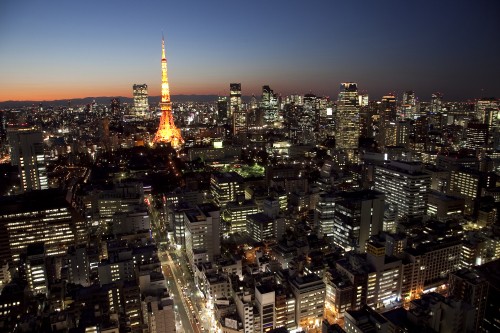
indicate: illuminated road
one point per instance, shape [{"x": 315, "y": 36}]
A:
[
  {"x": 180, "y": 282},
  {"x": 175, "y": 289}
]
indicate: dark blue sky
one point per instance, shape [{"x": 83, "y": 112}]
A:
[{"x": 67, "y": 49}]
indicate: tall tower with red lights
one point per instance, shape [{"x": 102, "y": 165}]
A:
[{"x": 167, "y": 131}]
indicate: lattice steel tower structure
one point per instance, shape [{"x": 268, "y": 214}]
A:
[{"x": 167, "y": 131}]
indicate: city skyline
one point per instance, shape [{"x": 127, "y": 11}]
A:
[{"x": 61, "y": 50}]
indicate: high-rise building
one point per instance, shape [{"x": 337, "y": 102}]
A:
[
  {"x": 222, "y": 108},
  {"x": 384, "y": 280},
  {"x": 202, "y": 233},
  {"x": 436, "y": 103},
  {"x": 236, "y": 215},
  {"x": 309, "y": 291},
  {"x": 265, "y": 299},
  {"x": 28, "y": 154},
  {"x": 406, "y": 187},
  {"x": 115, "y": 106},
  {"x": 39, "y": 216},
  {"x": 141, "y": 102},
  {"x": 324, "y": 213},
  {"x": 226, "y": 187},
  {"x": 467, "y": 183},
  {"x": 167, "y": 131},
  {"x": 468, "y": 286},
  {"x": 409, "y": 104},
  {"x": 269, "y": 104},
  {"x": 347, "y": 129},
  {"x": 388, "y": 121},
  {"x": 160, "y": 314},
  {"x": 236, "y": 110},
  {"x": 78, "y": 265},
  {"x": 476, "y": 136},
  {"x": 36, "y": 268},
  {"x": 488, "y": 111},
  {"x": 234, "y": 98},
  {"x": 356, "y": 216}
]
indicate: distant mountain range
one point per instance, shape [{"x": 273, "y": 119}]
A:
[{"x": 107, "y": 100}]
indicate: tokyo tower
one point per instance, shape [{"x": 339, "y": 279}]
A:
[{"x": 167, "y": 131}]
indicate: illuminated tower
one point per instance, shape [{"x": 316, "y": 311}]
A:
[{"x": 167, "y": 131}]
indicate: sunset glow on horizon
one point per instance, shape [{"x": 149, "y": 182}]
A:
[{"x": 66, "y": 50}]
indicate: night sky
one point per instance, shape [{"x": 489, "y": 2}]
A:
[{"x": 68, "y": 49}]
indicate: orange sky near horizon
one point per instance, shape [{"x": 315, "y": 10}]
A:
[{"x": 49, "y": 92}]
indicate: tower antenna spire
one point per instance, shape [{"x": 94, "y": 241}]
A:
[{"x": 167, "y": 131}]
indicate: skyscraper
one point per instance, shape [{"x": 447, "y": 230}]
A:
[
  {"x": 167, "y": 131},
  {"x": 141, "y": 103},
  {"x": 234, "y": 98},
  {"x": 347, "y": 129},
  {"x": 221, "y": 108},
  {"x": 488, "y": 112},
  {"x": 409, "y": 104},
  {"x": 436, "y": 103},
  {"x": 388, "y": 117},
  {"x": 236, "y": 110},
  {"x": 115, "y": 106},
  {"x": 28, "y": 154}
]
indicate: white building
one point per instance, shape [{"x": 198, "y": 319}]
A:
[{"x": 202, "y": 233}]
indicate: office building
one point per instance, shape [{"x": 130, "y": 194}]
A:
[
  {"x": 269, "y": 104},
  {"x": 36, "y": 269},
  {"x": 388, "y": 121},
  {"x": 409, "y": 104},
  {"x": 234, "y": 98},
  {"x": 365, "y": 320},
  {"x": 27, "y": 153},
  {"x": 265, "y": 300},
  {"x": 159, "y": 314},
  {"x": 468, "y": 286},
  {"x": 405, "y": 186},
  {"x": 347, "y": 127},
  {"x": 285, "y": 307},
  {"x": 487, "y": 111},
  {"x": 476, "y": 136},
  {"x": 236, "y": 215},
  {"x": 433, "y": 262},
  {"x": 202, "y": 233},
  {"x": 467, "y": 184},
  {"x": 260, "y": 227},
  {"x": 78, "y": 265},
  {"x": 356, "y": 216},
  {"x": 384, "y": 281},
  {"x": 443, "y": 206},
  {"x": 309, "y": 291},
  {"x": 226, "y": 187},
  {"x": 141, "y": 103},
  {"x": 222, "y": 108},
  {"x": 236, "y": 109},
  {"x": 40, "y": 216},
  {"x": 491, "y": 273},
  {"x": 324, "y": 214}
]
